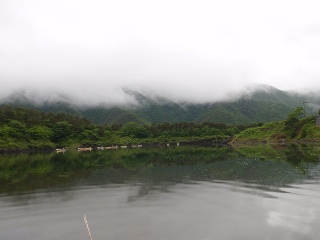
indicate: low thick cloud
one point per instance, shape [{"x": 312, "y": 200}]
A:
[{"x": 183, "y": 50}]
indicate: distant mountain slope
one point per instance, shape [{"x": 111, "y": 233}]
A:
[{"x": 262, "y": 105}]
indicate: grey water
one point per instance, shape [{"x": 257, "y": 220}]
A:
[{"x": 183, "y": 193}]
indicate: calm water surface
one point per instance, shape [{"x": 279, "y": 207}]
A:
[{"x": 184, "y": 193}]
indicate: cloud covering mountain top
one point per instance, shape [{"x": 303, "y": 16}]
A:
[{"x": 183, "y": 50}]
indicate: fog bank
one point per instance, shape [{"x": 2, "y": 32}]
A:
[{"x": 90, "y": 51}]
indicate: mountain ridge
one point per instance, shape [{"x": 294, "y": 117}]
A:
[{"x": 263, "y": 104}]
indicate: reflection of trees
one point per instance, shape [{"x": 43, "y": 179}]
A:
[
  {"x": 294, "y": 155},
  {"x": 25, "y": 172},
  {"x": 154, "y": 168},
  {"x": 299, "y": 156}
]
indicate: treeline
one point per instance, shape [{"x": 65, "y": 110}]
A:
[{"x": 22, "y": 128}]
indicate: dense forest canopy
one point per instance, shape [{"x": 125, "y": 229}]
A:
[
  {"x": 22, "y": 128},
  {"x": 25, "y": 129}
]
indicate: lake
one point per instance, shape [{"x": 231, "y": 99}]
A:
[{"x": 184, "y": 193}]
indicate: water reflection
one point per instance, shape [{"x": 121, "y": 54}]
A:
[
  {"x": 183, "y": 193},
  {"x": 267, "y": 169}
]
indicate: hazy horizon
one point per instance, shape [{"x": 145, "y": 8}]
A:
[{"x": 195, "y": 51}]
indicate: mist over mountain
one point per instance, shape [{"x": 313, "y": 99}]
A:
[
  {"x": 259, "y": 104},
  {"x": 104, "y": 53}
]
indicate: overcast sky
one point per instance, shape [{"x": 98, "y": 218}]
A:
[{"x": 185, "y": 50}]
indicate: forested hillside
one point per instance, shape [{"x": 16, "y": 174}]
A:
[
  {"x": 24, "y": 129},
  {"x": 263, "y": 105}
]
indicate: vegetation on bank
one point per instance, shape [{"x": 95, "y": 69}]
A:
[
  {"x": 295, "y": 128},
  {"x": 24, "y": 129}
]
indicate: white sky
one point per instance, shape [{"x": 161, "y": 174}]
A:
[{"x": 185, "y": 50}]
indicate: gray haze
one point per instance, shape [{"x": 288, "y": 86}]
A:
[{"x": 183, "y": 50}]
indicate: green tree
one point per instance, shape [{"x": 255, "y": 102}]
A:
[
  {"x": 292, "y": 121},
  {"x": 134, "y": 130},
  {"x": 293, "y": 118},
  {"x": 17, "y": 129},
  {"x": 40, "y": 133},
  {"x": 61, "y": 131}
]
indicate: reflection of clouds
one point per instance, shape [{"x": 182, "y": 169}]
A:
[
  {"x": 47, "y": 195},
  {"x": 254, "y": 189},
  {"x": 147, "y": 188},
  {"x": 297, "y": 211},
  {"x": 298, "y": 221}
]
